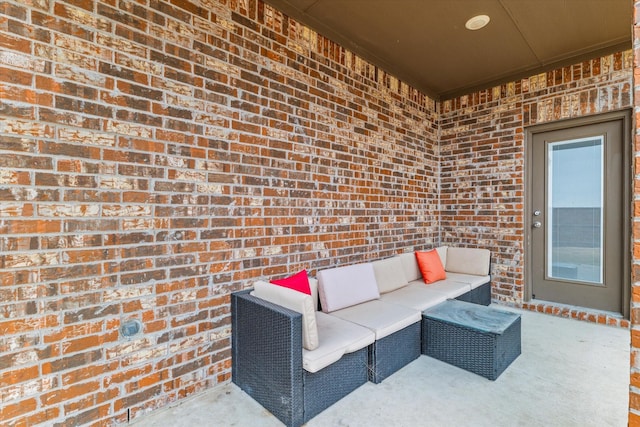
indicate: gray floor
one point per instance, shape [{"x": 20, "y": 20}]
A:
[{"x": 570, "y": 373}]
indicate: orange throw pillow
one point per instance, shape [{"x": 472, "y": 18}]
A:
[{"x": 430, "y": 266}]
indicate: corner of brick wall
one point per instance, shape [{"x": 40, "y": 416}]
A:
[
  {"x": 156, "y": 156},
  {"x": 634, "y": 390},
  {"x": 483, "y": 155}
]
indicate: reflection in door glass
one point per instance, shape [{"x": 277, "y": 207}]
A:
[{"x": 574, "y": 215}]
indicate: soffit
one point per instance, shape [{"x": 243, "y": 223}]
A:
[{"x": 425, "y": 43}]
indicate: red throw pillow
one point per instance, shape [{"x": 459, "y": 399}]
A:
[
  {"x": 298, "y": 282},
  {"x": 430, "y": 266}
]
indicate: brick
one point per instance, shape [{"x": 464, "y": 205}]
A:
[
  {"x": 135, "y": 398},
  {"x": 73, "y": 331},
  {"x": 71, "y": 392},
  {"x": 126, "y": 375},
  {"x": 12, "y": 410},
  {"x": 147, "y": 381},
  {"x": 90, "y": 313},
  {"x": 71, "y": 362},
  {"x": 14, "y": 11},
  {"x": 158, "y": 155},
  {"x": 93, "y": 413},
  {"x": 41, "y": 417},
  {"x": 86, "y": 417},
  {"x": 21, "y": 326},
  {"x": 634, "y": 400},
  {"x": 87, "y": 342},
  {"x": 18, "y": 375},
  {"x": 61, "y": 26}
]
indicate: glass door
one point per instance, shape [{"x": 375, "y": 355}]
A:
[{"x": 577, "y": 216}]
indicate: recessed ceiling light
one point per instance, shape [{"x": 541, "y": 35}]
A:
[{"x": 477, "y": 22}]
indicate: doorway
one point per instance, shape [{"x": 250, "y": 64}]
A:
[{"x": 578, "y": 212}]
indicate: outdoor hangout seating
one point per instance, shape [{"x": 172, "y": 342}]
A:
[
  {"x": 351, "y": 293},
  {"x": 271, "y": 365},
  {"x": 297, "y": 360}
]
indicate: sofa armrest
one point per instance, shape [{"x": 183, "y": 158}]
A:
[{"x": 266, "y": 347}]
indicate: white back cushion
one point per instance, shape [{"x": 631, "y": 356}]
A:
[
  {"x": 410, "y": 266},
  {"x": 342, "y": 287},
  {"x": 313, "y": 285},
  {"x": 442, "y": 251},
  {"x": 468, "y": 261},
  {"x": 389, "y": 274},
  {"x": 293, "y": 300}
]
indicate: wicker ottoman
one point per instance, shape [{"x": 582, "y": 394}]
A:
[{"x": 480, "y": 339}]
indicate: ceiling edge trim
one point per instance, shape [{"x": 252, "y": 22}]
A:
[
  {"x": 511, "y": 77},
  {"x": 309, "y": 21}
]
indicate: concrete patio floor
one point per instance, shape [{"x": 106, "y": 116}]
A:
[{"x": 570, "y": 373}]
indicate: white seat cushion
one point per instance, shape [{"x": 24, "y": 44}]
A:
[
  {"x": 337, "y": 337},
  {"x": 469, "y": 279},
  {"x": 342, "y": 287},
  {"x": 389, "y": 274},
  {"x": 447, "y": 287},
  {"x": 416, "y": 295},
  {"x": 293, "y": 300},
  {"x": 382, "y": 318},
  {"x": 468, "y": 261}
]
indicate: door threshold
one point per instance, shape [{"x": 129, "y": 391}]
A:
[{"x": 584, "y": 314}]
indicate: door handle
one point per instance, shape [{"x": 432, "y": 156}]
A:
[{"x": 537, "y": 224}]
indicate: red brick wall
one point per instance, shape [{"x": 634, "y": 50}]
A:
[
  {"x": 482, "y": 160},
  {"x": 156, "y": 156},
  {"x": 634, "y": 392}
]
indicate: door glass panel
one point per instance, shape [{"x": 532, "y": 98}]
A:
[{"x": 574, "y": 215}]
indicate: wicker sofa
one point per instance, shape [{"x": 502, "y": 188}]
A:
[
  {"x": 467, "y": 271},
  {"x": 369, "y": 327},
  {"x": 270, "y": 361},
  {"x": 352, "y": 293}
]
